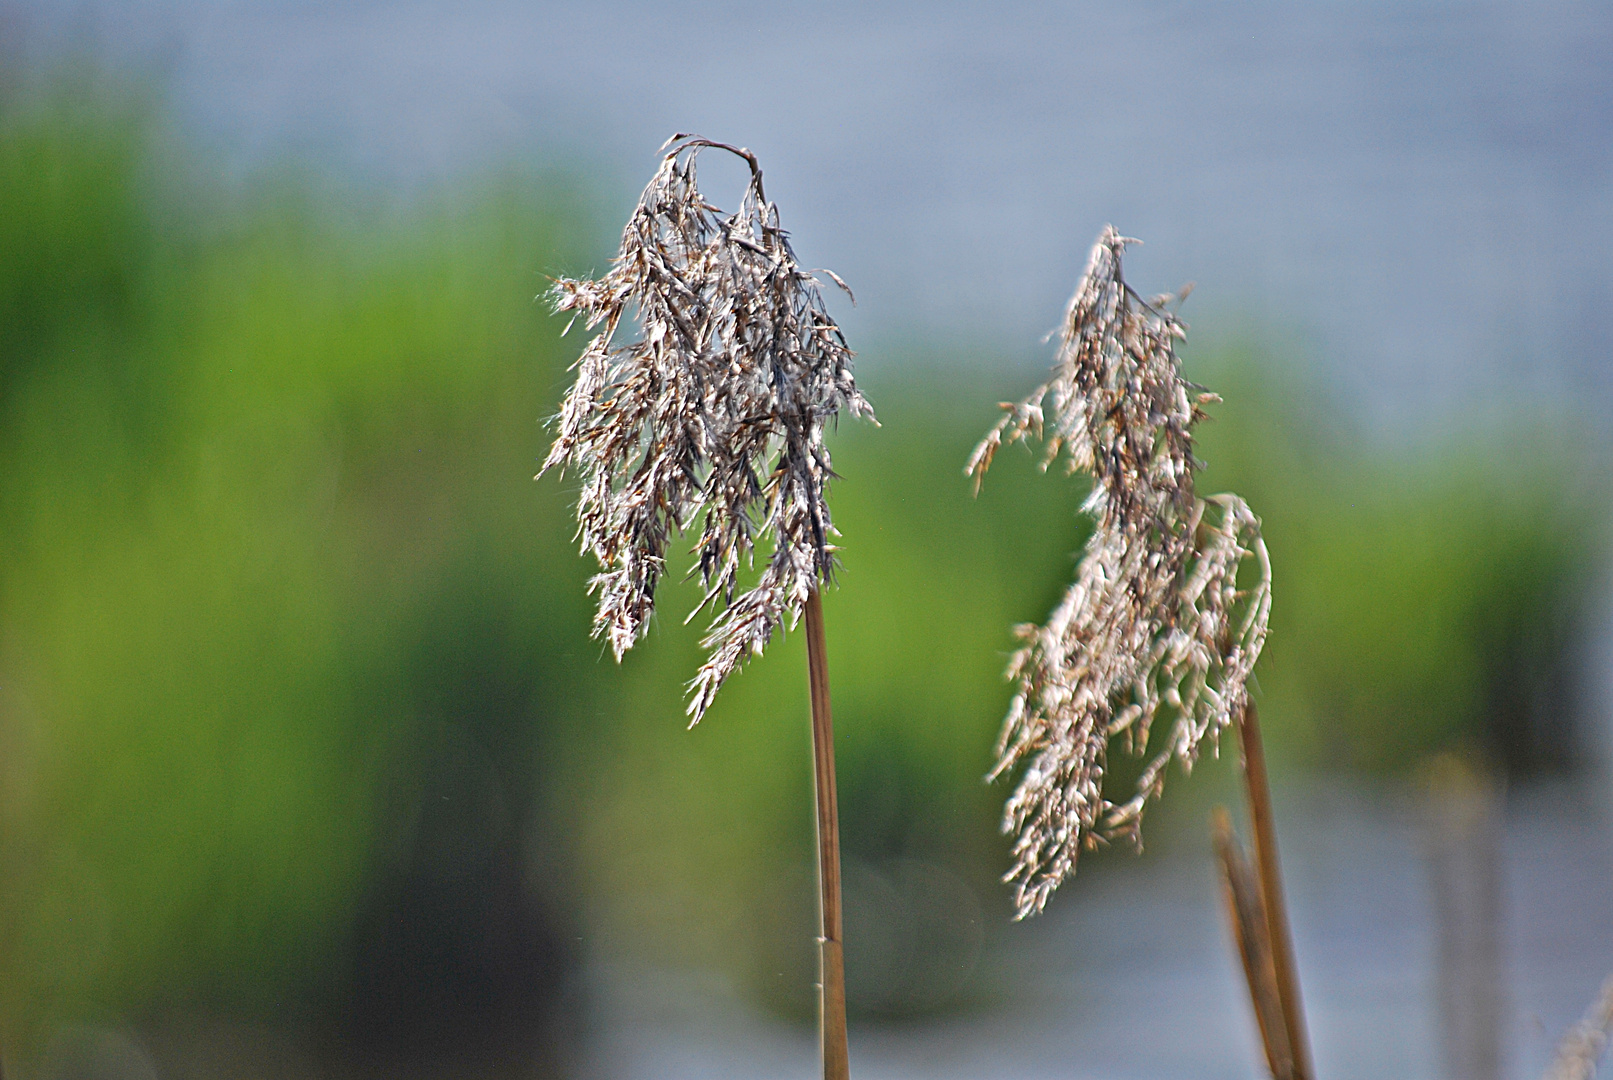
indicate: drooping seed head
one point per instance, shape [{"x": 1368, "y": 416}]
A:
[
  {"x": 1155, "y": 622},
  {"x": 711, "y": 416}
]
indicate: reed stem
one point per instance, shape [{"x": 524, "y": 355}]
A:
[
  {"x": 1249, "y": 931},
  {"x": 832, "y": 968},
  {"x": 1264, "y": 828}
]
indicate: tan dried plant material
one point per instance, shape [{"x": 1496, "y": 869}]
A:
[
  {"x": 1586, "y": 1041},
  {"x": 1155, "y": 626},
  {"x": 713, "y": 414}
]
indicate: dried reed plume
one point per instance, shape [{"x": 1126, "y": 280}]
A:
[
  {"x": 1585, "y": 1042},
  {"x": 1154, "y": 622},
  {"x": 714, "y": 411}
]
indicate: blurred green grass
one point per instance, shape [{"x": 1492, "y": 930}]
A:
[
  {"x": 299, "y": 718},
  {"x": 269, "y": 531}
]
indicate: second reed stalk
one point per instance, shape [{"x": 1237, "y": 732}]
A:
[
  {"x": 1264, "y": 828},
  {"x": 831, "y": 959}
]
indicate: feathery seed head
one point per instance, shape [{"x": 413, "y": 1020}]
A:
[
  {"x": 1154, "y": 622},
  {"x": 712, "y": 415}
]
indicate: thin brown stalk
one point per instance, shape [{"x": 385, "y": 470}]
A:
[
  {"x": 1261, "y": 823},
  {"x": 832, "y": 968},
  {"x": 1249, "y": 930},
  {"x": 1464, "y": 863}
]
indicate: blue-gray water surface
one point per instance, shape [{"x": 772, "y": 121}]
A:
[
  {"x": 1415, "y": 197},
  {"x": 1131, "y": 974}
]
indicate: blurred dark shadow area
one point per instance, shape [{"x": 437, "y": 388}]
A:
[{"x": 309, "y": 766}]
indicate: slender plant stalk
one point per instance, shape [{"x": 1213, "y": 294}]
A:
[
  {"x": 1248, "y": 918},
  {"x": 1258, "y": 790},
  {"x": 1464, "y": 870},
  {"x": 831, "y": 957}
]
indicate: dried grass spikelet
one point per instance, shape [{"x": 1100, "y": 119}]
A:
[
  {"x": 1155, "y": 623},
  {"x": 1586, "y": 1041},
  {"x": 714, "y": 411}
]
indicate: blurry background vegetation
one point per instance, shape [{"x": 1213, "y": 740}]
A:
[{"x": 301, "y": 731}]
